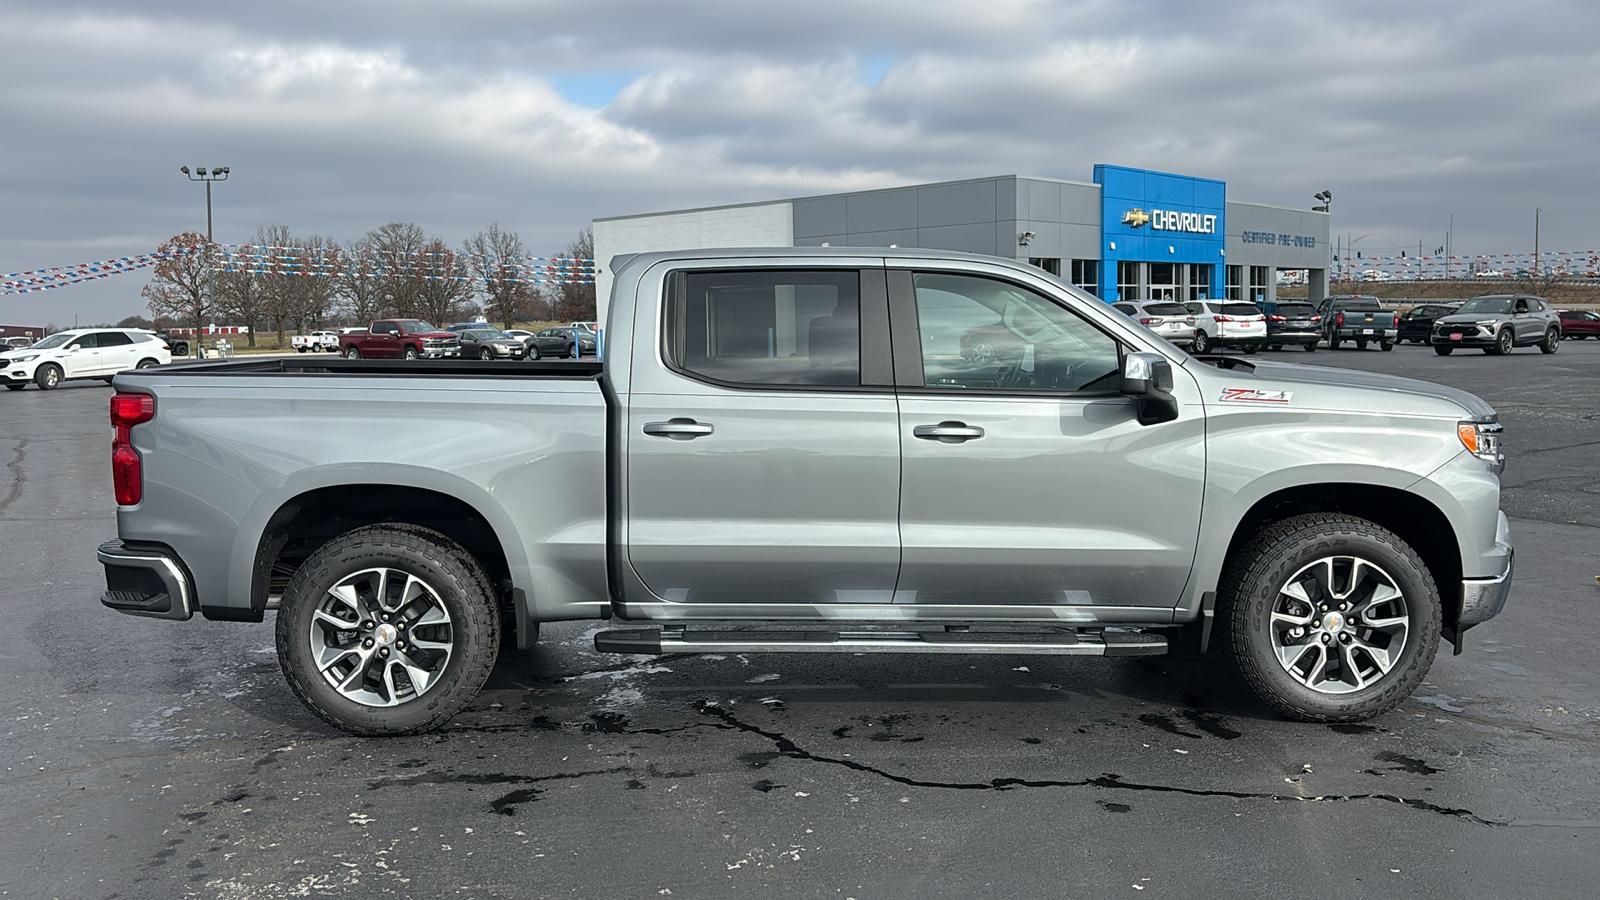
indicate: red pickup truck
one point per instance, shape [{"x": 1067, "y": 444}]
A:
[{"x": 399, "y": 339}]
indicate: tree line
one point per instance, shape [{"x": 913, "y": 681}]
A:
[{"x": 416, "y": 277}]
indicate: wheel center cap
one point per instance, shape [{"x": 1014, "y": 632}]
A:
[
  {"x": 385, "y": 634},
  {"x": 1331, "y": 622}
]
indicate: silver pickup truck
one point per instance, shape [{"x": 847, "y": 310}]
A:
[{"x": 815, "y": 450}]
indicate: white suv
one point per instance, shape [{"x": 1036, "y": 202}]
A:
[
  {"x": 1227, "y": 324},
  {"x": 82, "y": 353},
  {"x": 1172, "y": 321}
]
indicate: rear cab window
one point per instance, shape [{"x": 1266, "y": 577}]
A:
[{"x": 766, "y": 328}]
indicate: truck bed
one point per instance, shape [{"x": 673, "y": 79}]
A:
[{"x": 441, "y": 368}]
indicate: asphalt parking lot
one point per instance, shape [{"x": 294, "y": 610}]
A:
[{"x": 150, "y": 759}]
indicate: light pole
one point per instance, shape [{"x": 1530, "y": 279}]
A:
[{"x": 219, "y": 173}]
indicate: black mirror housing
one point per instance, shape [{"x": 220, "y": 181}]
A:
[{"x": 1147, "y": 378}]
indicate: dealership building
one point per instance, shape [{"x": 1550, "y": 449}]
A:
[{"x": 1128, "y": 234}]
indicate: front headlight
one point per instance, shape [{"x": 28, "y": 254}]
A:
[
  {"x": 1482, "y": 439},
  {"x": 23, "y": 359},
  {"x": 1486, "y": 323}
]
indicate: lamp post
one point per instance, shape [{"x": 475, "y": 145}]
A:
[{"x": 219, "y": 173}]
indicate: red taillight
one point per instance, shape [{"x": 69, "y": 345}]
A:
[
  {"x": 1316, "y": 318},
  {"x": 1276, "y": 319},
  {"x": 127, "y": 468},
  {"x": 1224, "y": 319},
  {"x": 1339, "y": 320},
  {"x": 1148, "y": 321}
]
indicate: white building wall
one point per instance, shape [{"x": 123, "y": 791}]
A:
[{"x": 755, "y": 225}]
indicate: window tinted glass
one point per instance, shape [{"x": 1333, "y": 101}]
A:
[
  {"x": 113, "y": 339},
  {"x": 86, "y": 341},
  {"x": 978, "y": 333},
  {"x": 1127, "y": 308},
  {"x": 1166, "y": 309},
  {"x": 1241, "y": 309},
  {"x": 417, "y": 327},
  {"x": 767, "y": 328}
]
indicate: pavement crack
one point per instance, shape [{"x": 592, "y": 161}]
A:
[
  {"x": 789, "y": 748},
  {"x": 18, "y": 479},
  {"x": 489, "y": 778}
]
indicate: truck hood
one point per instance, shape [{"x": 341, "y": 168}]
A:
[{"x": 1322, "y": 387}]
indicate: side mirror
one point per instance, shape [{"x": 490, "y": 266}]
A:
[{"x": 1147, "y": 377}]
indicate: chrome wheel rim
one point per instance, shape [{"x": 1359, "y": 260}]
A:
[
  {"x": 51, "y": 376},
  {"x": 381, "y": 637},
  {"x": 1339, "y": 625}
]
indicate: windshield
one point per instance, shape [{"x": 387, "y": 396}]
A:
[
  {"x": 1491, "y": 305},
  {"x": 54, "y": 340},
  {"x": 416, "y": 327}
]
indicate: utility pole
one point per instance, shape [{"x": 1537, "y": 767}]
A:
[
  {"x": 1536, "y": 270},
  {"x": 1448, "y": 236}
]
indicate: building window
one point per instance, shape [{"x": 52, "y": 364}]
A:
[
  {"x": 1163, "y": 281},
  {"x": 1258, "y": 283},
  {"x": 1049, "y": 264},
  {"x": 1086, "y": 274},
  {"x": 1128, "y": 280},
  {"x": 1235, "y": 275},
  {"x": 1198, "y": 283}
]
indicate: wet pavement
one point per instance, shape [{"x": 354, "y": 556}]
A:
[{"x": 163, "y": 760}]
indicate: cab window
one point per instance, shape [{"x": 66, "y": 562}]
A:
[{"x": 767, "y": 327}]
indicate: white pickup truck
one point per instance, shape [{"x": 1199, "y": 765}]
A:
[{"x": 316, "y": 340}]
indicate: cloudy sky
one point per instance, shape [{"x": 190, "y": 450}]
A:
[{"x": 540, "y": 116}]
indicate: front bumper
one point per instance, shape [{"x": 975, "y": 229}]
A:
[
  {"x": 145, "y": 581},
  {"x": 1468, "y": 336}
]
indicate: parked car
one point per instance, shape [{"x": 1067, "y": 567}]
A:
[
  {"x": 784, "y": 460},
  {"x": 1417, "y": 322},
  {"x": 316, "y": 340},
  {"x": 563, "y": 341},
  {"x": 179, "y": 346},
  {"x": 1227, "y": 324},
  {"x": 1170, "y": 320},
  {"x": 518, "y": 333},
  {"x": 399, "y": 339},
  {"x": 1292, "y": 322},
  {"x": 1579, "y": 324},
  {"x": 490, "y": 343},
  {"x": 590, "y": 327},
  {"x": 82, "y": 353},
  {"x": 1495, "y": 323},
  {"x": 1360, "y": 318},
  {"x": 17, "y": 343}
]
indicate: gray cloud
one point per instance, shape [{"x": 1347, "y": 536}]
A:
[{"x": 337, "y": 118}]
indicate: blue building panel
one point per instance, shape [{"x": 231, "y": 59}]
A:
[{"x": 1159, "y": 217}]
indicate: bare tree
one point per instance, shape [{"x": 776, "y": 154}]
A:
[
  {"x": 573, "y": 298},
  {"x": 397, "y": 257},
  {"x": 314, "y": 287},
  {"x": 278, "y": 278},
  {"x": 181, "y": 285},
  {"x": 360, "y": 289},
  {"x": 495, "y": 258},
  {"x": 446, "y": 292}
]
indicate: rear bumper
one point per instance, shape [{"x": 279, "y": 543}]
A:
[
  {"x": 1367, "y": 334},
  {"x": 145, "y": 581}
]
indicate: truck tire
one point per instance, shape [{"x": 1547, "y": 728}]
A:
[
  {"x": 1330, "y": 618},
  {"x": 1443, "y": 349},
  {"x": 1250, "y": 348},
  {"x": 1202, "y": 342},
  {"x": 388, "y": 629},
  {"x": 1311, "y": 346},
  {"x": 1360, "y": 344},
  {"x": 1333, "y": 342},
  {"x": 1503, "y": 342},
  {"x": 1386, "y": 346},
  {"x": 301, "y": 349},
  {"x": 352, "y": 352},
  {"x": 411, "y": 353},
  {"x": 1551, "y": 342},
  {"x": 48, "y": 376}
]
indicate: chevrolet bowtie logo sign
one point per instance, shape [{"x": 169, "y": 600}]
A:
[{"x": 1135, "y": 217}]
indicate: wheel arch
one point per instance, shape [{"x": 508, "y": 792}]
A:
[
  {"x": 1413, "y": 518},
  {"x": 312, "y": 518}
]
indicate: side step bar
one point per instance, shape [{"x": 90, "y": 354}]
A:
[{"x": 677, "y": 639}]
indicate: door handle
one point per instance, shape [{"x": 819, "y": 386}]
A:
[
  {"x": 948, "y": 432},
  {"x": 678, "y": 429}
]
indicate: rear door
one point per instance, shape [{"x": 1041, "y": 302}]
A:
[
  {"x": 1026, "y": 479},
  {"x": 762, "y": 445},
  {"x": 117, "y": 352}
]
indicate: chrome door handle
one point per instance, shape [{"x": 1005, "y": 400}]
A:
[
  {"x": 948, "y": 432},
  {"x": 678, "y": 429}
]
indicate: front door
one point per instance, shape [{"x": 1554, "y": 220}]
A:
[
  {"x": 762, "y": 449},
  {"x": 1026, "y": 480}
]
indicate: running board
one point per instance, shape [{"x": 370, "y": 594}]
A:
[{"x": 671, "y": 639}]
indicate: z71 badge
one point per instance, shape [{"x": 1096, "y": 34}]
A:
[{"x": 1251, "y": 395}]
